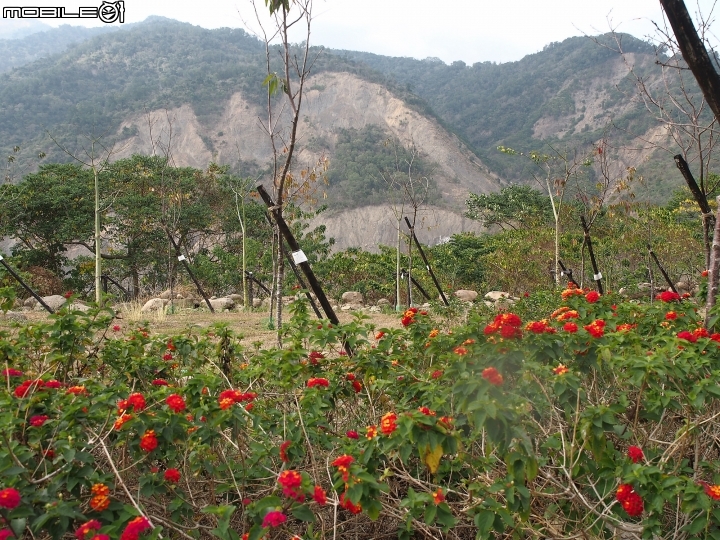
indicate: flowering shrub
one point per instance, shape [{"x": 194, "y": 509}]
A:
[{"x": 601, "y": 421}]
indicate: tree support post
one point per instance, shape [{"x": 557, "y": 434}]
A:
[
  {"x": 714, "y": 270},
  {"x": 404, "y": 272},
  {"x": 427, "y": 264},
  {"x": 597, "y": 275},
  {"x": 662, "y": 270},
  {"x": 183, "y": 260},
  {"x": 255, "y": 280},
  {"x": 300, "y": 259},
  {"x": 25, "y": 285},
  {"x": 567, "y": 272},
  {"x": 701, "y": 200},
  {"x": 301, "y": 281}
]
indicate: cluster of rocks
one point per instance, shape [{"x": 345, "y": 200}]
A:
[
  {"x": 54, "y": 302},
  {"x": 494, "y": 299},
  {"x": 646, "y": 289}
]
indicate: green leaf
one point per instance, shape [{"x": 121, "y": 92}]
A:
[
  {"x": 430, "y": 511},
  {"x": 303, "y": 513},
  {"x": 484, "y": 521}
]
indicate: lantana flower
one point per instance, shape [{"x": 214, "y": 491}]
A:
[
  {"x": 492, "y": 376},
  {"x": 388, "y": 423}
]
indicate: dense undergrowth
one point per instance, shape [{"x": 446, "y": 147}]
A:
[{"x": 596, "y": 418}]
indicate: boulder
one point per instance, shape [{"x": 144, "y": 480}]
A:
[
  {"x": 683, "y": 287},
  {"x": 188, "y": 303},
  {"x": 165, "y": 295},
  {"x": 504, "y": 303},
  {"x": 494, "y": 296},
  {"x": 466, "y": 295},
  {"x": 220, "y": 304},
  {"x": 30, "y": 302},
  {"x": 237, "y": 298},
  {"x": 256, "y": 302},
  {"x": 351, "y": 307},
  {"x": 13, "y": 316},
  {"x": 643, "y": 286},
  {"x": 54, "y": 301},
  {"x": 154, "y": 304},
  {"x": 79, "y": 306},
  {"x": 352, "y": 297},
  {"x": 383, "y": 302},
  {"x": 375, "y": 309}
]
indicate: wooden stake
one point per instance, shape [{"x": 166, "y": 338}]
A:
[
  {"x": 427, "y": 264},
  {"x": 598, "y": 276},
  {"x": 714, "y": 270},
  {"x": 25, "y": 285},
  {"x": 183, "y": 260}
]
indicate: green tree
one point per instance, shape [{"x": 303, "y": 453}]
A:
[{"x": 515, "y": 206}]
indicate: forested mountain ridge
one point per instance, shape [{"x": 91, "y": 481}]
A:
[{"x": 201, "y": 81}]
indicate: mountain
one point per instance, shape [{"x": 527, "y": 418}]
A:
[
  {"x": 163, "y": 82},
  {"x": 26, "y": 44}
]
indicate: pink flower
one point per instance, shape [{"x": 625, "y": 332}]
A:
[
  {"x": 5, "y": 534},
  {"x": 9, "y": 498},
  {"x": 273, "y": 518}
]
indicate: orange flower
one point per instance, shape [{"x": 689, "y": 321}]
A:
[
  {"x": 348, "y": 505},
  {"x": 426, "y": 411},
  {"x": 670, "y": 316},
  {"x": 438, "y": 496},
  {"x": 468, "y": 342},
  {"x": 567, "y": 293},
  {"x": 371, "y": 432},
  {"x": 121, "y": 420},
  {"x": 388, "y": 423},
  {"x": 626, "y": 327},
  {"x": 559, "y": 311},
  {"x": 343, "y": 465},
  {"x": 460, "y": 350},
  {"x": 560, "y": 370},
  {"x": 571, "y": 314},
  {"x": 100, "y": 500},
  {"x": 434, "y": 333}
]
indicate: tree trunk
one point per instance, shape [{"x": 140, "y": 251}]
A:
[
  {"x": 98, "y": 264},
  {"x": 714, "y": 270},
  {"x": 280, "y": 279},
  {"x": 694, "y": 52}
]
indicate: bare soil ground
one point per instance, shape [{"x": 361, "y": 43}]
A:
[{"x": 252, "y": 325}]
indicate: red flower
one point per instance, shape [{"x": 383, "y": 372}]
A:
[
  {"x": 38, "y": 420},
  {"x": 379, "y": 335},
  {"x": 9, "y": 498},
  {"x": 350, "y": 377},
  {"x": 510, "y": 332},
  {"x": 10, "y": 372},
  {"x": 283, "y": 451},
  {"x": 343, "y": 461},
  {"x": 670, "y": 316},
  {"x": 668, "y": 296},
  {"x": 352, "y": 434},
  {"x": 460, "y": 351},
  {"x": 148, "y": 441},
  {"x": 167, "y": 357},
  {"x": 687, "y": 336},
  {"x": 85, "y": 528},
  {"x": 175, "y": 402},
  {"x": 315, "y": 357},
  {"x": 172, "y": 475},
  {"x": 274, "y": 518},
  {"x": 570, "y": 327},
  {"x": 426, "y": 411},
  {"x": 136, "y": 401},
  {"x": 592, "y": 297},
  {"x": 100, "y": 537},
  {"x": 160, "y": 382},
  {"x": 290, "y": 481},
  {"x": 596, "y": 328},
  {"x": 348, "y": 505},
  {"x": 170, "y": 346},
  {"x": 135, "y": 528},
  {"x": 116, "y": 328},
  {"x": 437, "y": 374},
  {"x": 319, "y": 496},
  {"x": 357, "y": 386},
  {"x": 68, "y": 294},
  {"x": 5, "y": 534},
  {"x": 700, "y": 332},
  {"x": 438, "y": 496},
  {"x": 635, "y": 453},
  {"x": 492, "y": 376},
  {"x": 318, "y": 381},
  {"x": 388, "y": 423},
  {"x": 77, "y": 390},
  {"x": 540, "y": 327},
  {"x": 633, "y": 504},
  {"x": 371, "y": 432}
]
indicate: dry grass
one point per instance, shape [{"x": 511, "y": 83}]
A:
[{"x": 253, "y": 325}]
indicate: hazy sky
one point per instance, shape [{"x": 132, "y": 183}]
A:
[{"x": 476, "y": 31}]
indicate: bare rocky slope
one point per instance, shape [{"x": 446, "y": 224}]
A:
[{"x": 333, "y": 102}]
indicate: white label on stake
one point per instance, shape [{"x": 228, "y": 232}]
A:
[
  {"x": 597, "y": 276},
  {"x": 1, "y": 258},
  {"x": 181, "y": 258},
  {"x": 562, "y": 273},
  {"x": 299, "y": 257}
]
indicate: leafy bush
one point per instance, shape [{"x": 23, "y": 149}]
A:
[{"x": 597, "y": 418}]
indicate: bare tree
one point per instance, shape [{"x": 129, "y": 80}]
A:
[{"x": 296, "y": 62}]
